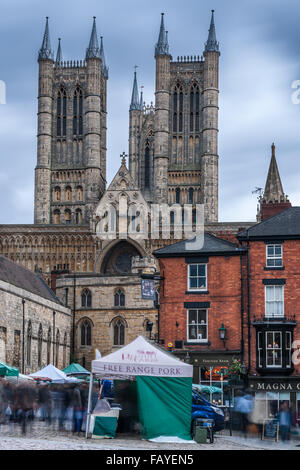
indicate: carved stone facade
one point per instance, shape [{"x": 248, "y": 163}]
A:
[{"x": 173, "y": 147}]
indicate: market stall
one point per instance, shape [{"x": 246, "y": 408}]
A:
[
  {"x": 52, "y": 374},
  {"x": 9, "y": 371},
  {"x": 164, "y": 387}
]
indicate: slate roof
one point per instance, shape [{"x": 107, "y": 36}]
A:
[
  {"x": 212, "y": 246},
  {"x": 285, "y": 225},
  {"x": 15, "y": 274}
]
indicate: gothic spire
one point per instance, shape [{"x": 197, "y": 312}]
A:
[
  {"x": 273, "y": 189},
  {"x": 102, "y": 57},
  {"x": 135, "y": 102},
  {"x": 59, "y": 57},
  {"x": 162, "y": 46},
  {"x": 45, "y": 51},
  {"x": 212, "y": 44},
  {"x": 93, "y": 51},
  {"x": 141, "y": 100}
]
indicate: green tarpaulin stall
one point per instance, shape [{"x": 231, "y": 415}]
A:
[
  {"x": 7, "y": 370},
  {"x": 74, "y": 368},
  {"x": 164, "y": 387}
]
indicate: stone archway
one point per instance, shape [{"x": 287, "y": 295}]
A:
[{"x": 117, "y": 260}]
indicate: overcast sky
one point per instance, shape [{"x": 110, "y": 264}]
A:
[{"x": 260, "y": 59}]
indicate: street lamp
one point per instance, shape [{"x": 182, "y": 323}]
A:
[
  {"x": 222, "y": 332},
  {"x": 187, "y": 358}
]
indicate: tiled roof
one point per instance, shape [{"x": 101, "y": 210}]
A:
[
  {"x": 286, "y": 224},
  {"x": 212, "y": 245},
  {"x": 15, "y": 274}
]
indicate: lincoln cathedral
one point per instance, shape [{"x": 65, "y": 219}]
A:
[{"x": 172, "y": 158}]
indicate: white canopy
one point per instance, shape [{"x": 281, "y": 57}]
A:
[
  {"x": 140, "y": 357},
  {"x": 52, "y": 373}
]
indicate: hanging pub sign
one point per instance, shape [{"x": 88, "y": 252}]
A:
[{"x": 148, "y": 289}]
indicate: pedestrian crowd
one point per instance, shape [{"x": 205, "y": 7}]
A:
[{"x": 61, "y": 406}]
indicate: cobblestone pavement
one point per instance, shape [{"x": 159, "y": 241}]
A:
[{"x": 43, "y": 437}]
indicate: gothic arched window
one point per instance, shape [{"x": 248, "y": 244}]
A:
[
  {"x": 57, "y": 193},
  {"x": 57, "y": 349},
  {"x": 65, "y": 350},
  {"x": 191, "y": 196},
  {"x": 177, "y": 196},
  {"x": 67, "y": 216},
  {"x": 77, "y": 112},
  {"x": 86, "y": 298},
  {"x": 40, "y": 345},
  {"x": 61, "y": 111},
  {"x": 79, "y": 193},
  {"x": 86, "y": 333},
  {"x": 78, "y": 216},
  {"x": 194, "y": 108},
  {"x": 56, "y": 216},
  {"x": 119, "y": 298},
  {"x": 178, "y": 108},
  {"x": 147, "y": 164},
  {"x": 29, "y": 338},
  {"x": 48, "y": 345},
  {"x": 68, "y": 193},
  {"x": 119, "y": 333}
]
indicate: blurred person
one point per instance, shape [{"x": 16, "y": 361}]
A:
[
  {"x": 244, "y": 406},
  {"x": 76, "y": 404},
  {"x": 285, "y": 421}
]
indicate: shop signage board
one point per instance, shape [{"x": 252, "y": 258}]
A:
[{"x": 270, "y": 429}]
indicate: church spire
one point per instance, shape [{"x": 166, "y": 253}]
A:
[
  {"x": 45, "y": 51},
  {"x": 273, "y": 189},
  {"x": 59, "y": 57},
  {"x": 212, "y": 44},
  {"x": 104, "y": 68},
  {"x": 93, "y": 51},
  {"x": 162, "y": 46},
  {"x": 135, "y": 102},
  {"x": 141, "y": 99}
]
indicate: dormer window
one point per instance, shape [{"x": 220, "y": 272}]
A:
[{"x": 274, "y": 256}]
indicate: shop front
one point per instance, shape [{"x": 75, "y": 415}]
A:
[
  {"x": 211, "y": 375},
  {"x": 271, "y": 392}
]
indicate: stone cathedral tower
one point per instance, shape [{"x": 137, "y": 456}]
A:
[
  {"x": 70, "y": 176},
  {"x": 173, "y": 147}
]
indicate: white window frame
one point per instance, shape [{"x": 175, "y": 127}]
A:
[
  {"x": 274, "y": 257},
  {"x": 259, "y": 347},
  {"x": 288, "y": 351},
  {"x": 196, "y": 289},
  {"x": 269, "y": 301},
  {"x": 273, "y": 366},
  {"x": 204, "y": 340}
]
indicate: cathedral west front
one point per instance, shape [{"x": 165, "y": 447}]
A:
[{"x": 172, "y": 159}]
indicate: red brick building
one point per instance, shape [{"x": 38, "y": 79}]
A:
[
  {"x": 199, "y": 294},
  {"x": 272, "y": 319}
]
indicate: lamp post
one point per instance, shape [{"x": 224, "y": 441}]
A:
[{"x": 222, "y": 333}]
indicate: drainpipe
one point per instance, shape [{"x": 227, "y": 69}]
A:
[
  {"x": 74, "y": 312},
  {"x": 242, "y": 309},
  {"x": 248, "y": 297},
  {"x": 54, "y": 337}
]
